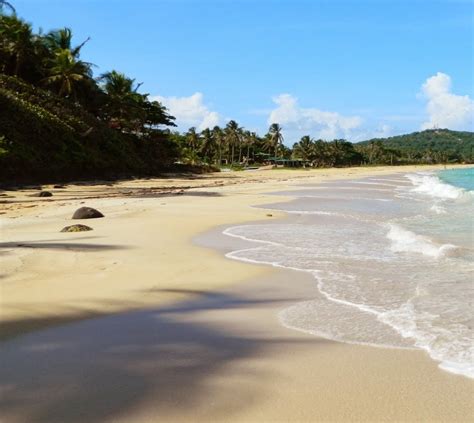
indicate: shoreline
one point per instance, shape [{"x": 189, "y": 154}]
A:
[
  {"x": 227, "y": 308},
  {"x": 27, "y": 307}
]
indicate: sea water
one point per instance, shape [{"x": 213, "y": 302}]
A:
[{"x": 392, "y": 258}]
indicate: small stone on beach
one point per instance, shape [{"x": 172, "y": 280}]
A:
[
  {"x": 76, "y": 228},
  {"x": 269, "y": 215},
  {"x": 44, "y": 194},
  {"x": 87, "y": 213}
]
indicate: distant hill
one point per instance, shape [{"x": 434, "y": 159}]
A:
[{"x": 435, "y": 145}]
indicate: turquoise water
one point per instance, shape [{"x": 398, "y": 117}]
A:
[
  {"x": 463, "y": 178},
  {"x": 392, "y": 258}
]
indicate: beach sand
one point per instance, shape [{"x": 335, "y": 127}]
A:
[{"x": 162, "y": 329}]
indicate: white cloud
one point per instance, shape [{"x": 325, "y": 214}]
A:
[
  {"x": 445, "y": 109},
  {"x": 190, "y": 111},
  {"x": 317, "y": 123},
  {"x": 367, "y": 133},
  {"x": 382, "y": 131}
]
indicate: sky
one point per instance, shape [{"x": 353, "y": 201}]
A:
[{"x": 353, "y": 69}]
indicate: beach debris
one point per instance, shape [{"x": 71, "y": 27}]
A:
[
  {"x": 87, "y": 213},
  {"x": 76, "y": 228},
  {"x": 269, "y": 215}
]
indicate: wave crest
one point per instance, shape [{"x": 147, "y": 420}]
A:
[
  {"x": 407, "y": 241},
  {"x": 433, "y": 186}
]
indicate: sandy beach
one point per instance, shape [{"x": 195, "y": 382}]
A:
[{"x": 137, "y": 321}]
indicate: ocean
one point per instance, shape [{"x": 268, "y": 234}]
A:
[{"x": 392, "y": 258}]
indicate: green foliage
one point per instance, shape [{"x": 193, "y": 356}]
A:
[
  {"x": 430, "y": 146},
  {"x": 62, "y": 140},
  {"x": 327, "y": 154},
  {"x": 58, "y": 122}
]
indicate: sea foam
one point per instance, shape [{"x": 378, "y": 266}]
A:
[
  {"x": 406, "y": 241},
  {"x": 397, "y": 276},
  {"x": 432, "y": 186}
]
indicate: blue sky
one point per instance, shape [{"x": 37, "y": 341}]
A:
[{"x": 339, "y": 68}]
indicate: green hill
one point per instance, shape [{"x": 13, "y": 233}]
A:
[{"x": 430, "y": 146}]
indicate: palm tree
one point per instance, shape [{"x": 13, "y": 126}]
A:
[
  {"x": 17, "y": 42},
  {"x": 249, "y": 140},
  {"x": 322, "y": 155},
  {"x": 232, "y": 136},
  {"x": 61, "y": 39},
  {"x": 218, "y": 135},
  {"x": 124, "y": 104},
  {"x": 304, "y": 149},
  {"x": 6, "y": 5},
  {"x": 208, "y": 148},
  {"x": 192, "y": 140},
  {"x": 276, "y": 137},
  {"x": 253, "y": 143},
  {"x": 65, "y": 72}
]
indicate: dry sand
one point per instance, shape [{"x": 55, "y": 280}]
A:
[{"x": 186, "y": 334}]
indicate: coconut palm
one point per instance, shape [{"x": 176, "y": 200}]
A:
[
  {"x": 208, "y": 147},
  {"x": 275, "y": 137},
  {"x": 18, "y": 44},
  {"x": 193, "y": 142},
  {"x": 65, "y": 72},
  {"x": 232, "y": 136},
  {"x": 61, "y": 39},
  {"x": 304, "y": 149},
  {"x": 249, "y": 139},
  {"x": 124, "y": 106},
  {"x": 218, "y": 135}
]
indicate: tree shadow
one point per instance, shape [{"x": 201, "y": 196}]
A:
[
  {"x": 172, "y": 359},
  {"x": 183, "y": 193},
  {"x": 62, "y": 244}
]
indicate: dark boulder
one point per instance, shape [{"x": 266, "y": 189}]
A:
[
  {"x": 76, "y": 228},
  {"x": 87, "y": 213}
]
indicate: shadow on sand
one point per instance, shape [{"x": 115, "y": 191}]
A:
[
  {"x": 61, "y": 244},
  {"x": 105, "y": 368}
]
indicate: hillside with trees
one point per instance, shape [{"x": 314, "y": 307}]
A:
[
  {"x": 430, "y": 146},
  {"x": 57, "y": 121}
]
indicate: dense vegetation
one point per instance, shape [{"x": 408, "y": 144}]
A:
[
  {"x": 430, "y": 146},
  {"x": 59, "y": 121}
]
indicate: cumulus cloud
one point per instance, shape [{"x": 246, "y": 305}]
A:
[
  {"x": 445, "y": 109},
  {"x": 190, "y": 111},
  {"x": 319, "y": 123}
]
